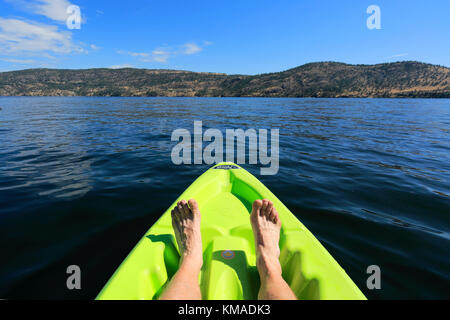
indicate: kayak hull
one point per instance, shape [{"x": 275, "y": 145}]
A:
[{"x": 225, "y": 194}]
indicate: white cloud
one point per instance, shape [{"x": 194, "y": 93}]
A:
[
  {"x": 18, "y": 37},
  {"x": 20, "y": 61},
  {"x": 160, "y": 52},
  {"x": 157, "y": 55},
  {"x": 163, "y": 54},
  {"x": 161, "y": 59},
  {"x": 160, "y": 55},
  {"x": 133, "y": 54},
  {"x": 121, "y": 66},
  {"x": 398, "y": 55},
  {"x": 191, "y": 48},
  {"x": 138, "y": 54},
  {"x": 52, "y": 9}
]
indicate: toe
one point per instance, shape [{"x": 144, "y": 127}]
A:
[
  {"x": 184, "y": 205},
  {"x": 276, "y": 217},
  {"x": 175, "y": 218},
  {"x": 269, "y": 208},
  {"x": 193, "y": 205},
  {"x": 264, "y": 206},
  {"x": 180, "y": 209},
  {"x": 271, "y": 215},
  {"x": 257, "y": 204},
  {"x": 256, "y": 208},
  {"x": 175, "y": 212}
]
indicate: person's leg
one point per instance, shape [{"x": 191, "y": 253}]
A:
[
  {"x": 266, "y": 226},
  {"x": 186, "y": 224}
]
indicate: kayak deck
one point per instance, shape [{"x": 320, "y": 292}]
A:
[{"x": 225, "y": 196}]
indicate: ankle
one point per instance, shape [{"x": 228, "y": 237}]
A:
[
  {"x": 190, "y": 263},
  {"x": 268, "y": 267}
]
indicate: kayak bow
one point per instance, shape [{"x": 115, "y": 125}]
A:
[{"x": 225, "y": 194}]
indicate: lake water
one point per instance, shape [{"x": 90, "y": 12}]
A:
[{"x": 81, "y": 180}]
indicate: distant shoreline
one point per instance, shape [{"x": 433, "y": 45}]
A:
[
  {"x": 408, "y": 79},
  {"x": 184, "y": 97}
]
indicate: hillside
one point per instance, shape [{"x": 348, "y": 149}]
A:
[{"x": 321, "y": 79}]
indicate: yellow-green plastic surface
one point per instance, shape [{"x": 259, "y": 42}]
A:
[{"x": 225, "y": 198}]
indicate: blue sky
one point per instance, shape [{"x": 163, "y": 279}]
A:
[{"x": 240, "y": 36}]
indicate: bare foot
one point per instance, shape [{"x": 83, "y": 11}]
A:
[
  {"x": 266, "y": 226},
  {"x": 186, "y": 225}
]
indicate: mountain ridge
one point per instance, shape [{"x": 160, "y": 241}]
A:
[{"x": 316, "y": 79}]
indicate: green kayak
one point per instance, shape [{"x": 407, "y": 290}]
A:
[{"x": 225, "y": 194}]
